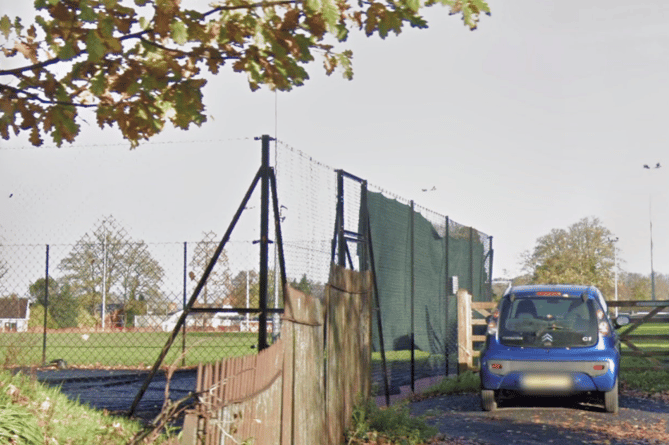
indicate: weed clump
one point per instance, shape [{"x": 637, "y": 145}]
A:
[{"x": 392, "y": 425}]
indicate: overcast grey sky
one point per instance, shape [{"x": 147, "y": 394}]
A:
[{"x": 541, "y": 117}]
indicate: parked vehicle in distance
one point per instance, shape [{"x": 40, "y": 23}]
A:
[{"x": 548, "y": 341}]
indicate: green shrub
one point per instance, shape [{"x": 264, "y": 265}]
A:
[
  {"x": 392, "y": 425},
  {"x": 465, "y": 382}
]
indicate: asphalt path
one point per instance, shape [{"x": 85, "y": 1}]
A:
[
  {"x": 115, "y": 390},
  {"x": 459, "y": 418}
]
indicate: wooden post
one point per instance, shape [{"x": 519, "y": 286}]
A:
[{"x": 465, "y": 352}]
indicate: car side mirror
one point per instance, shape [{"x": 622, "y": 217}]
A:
[{"x": 622, "y": 320}]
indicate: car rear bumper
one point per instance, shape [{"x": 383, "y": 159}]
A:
[{"x": 548, "y": 376}]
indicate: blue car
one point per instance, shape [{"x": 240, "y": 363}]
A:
[{"x": 551, "y": 340}]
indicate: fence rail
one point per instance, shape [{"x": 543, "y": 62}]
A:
[{"x": 635, "y": 343}]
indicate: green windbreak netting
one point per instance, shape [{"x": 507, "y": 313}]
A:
[{"x": 434, "y": 261}]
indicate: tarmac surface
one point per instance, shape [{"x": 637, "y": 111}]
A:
[
  {"x": 115, "y": 390},
  {"x": 642, "y": 420}
]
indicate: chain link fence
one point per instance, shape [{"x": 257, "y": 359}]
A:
[
  {"x": 109, "y": 299},
  {"x": 112, "y": 302}
]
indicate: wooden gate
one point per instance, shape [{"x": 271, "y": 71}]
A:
[
  {"x": 652, "y": 316},
  {"x": 470, "y": 315}
]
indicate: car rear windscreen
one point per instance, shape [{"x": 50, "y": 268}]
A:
[{"x": 548, "y": 322}]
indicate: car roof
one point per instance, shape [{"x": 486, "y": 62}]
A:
[{"x": 570, "y": 289}]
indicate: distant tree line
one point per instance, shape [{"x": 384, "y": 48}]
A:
[
  {"x": 107, "y": 264},
  {"x": 583, "y": 253}
]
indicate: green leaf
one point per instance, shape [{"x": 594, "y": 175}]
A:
[
  {"x": 94, "y": 47},
  {"x": 41, "y": 4},
  {"x": 18, "y": 27},
  {"x": 87, "y": 13},
  {"x": 99, "y": 84},
  {"x": 106, "y": 27},
  {"x": 330, "y": 14},
  {"x": 66, "y": 52},
  {"x": 342, "y": 32},
  {"x": 414, "y": 5},
  {"x": 5, "y": 26},
  {"x": 179, "y": 32},
  {"x": 482, "y": 6}
]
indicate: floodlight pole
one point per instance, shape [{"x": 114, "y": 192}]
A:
[
  {"x": 650, "y": 218},
  {"x": 613, "y": 241}
]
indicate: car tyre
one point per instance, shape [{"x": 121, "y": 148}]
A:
[
  {"x": 611, "y": 399},
  {"x": 488, "y": 400}
]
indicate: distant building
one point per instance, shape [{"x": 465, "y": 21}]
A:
[{"x": 14, "y": 314}]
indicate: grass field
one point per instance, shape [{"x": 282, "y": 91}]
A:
[
  {"x": 140, "y": 349},
  {"x": 121, "y": 349},
  {"x": 632, "y": 364}
]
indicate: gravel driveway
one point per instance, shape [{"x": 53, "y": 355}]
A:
[{"x": 642, "y": 420}]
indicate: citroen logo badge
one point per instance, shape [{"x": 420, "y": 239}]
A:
[{"x": 547, "y": 338}]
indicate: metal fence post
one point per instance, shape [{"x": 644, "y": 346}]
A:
[
  {"x": 447, "y": 295},
  {"x": 492, "y": 252},
  {"x": 183, "y": 342},
  {"x": 264, "y": 242},
  {"x": 341, "y": 258},
  {"x": 413, "y": 286},
  {"x": 46, "y": 304},
  {"x": 471, "y": 261}
]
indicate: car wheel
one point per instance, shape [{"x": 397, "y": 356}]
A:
[
  {"x": 488, "y": 400},
  {"x": 611, "y": 399}
]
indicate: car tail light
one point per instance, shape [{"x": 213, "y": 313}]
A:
[
  {"x": 492, "y": 327},
  {"x": 599, "y": 367},
  {"x": 604, "y": 328},
  {"x": 602, "y": 324},
  {"x": 496, "y": 366},
  {"x": 492, "y": 323}
]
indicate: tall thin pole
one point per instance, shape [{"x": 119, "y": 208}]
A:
[
  {"x": 264, "y": 242},
  {"x": 104, "y": 279},
  {"x": 471, "y": 261},
  {"x": 490, "y": 264},
  {"x": 652, "y": 269},
  {"x": 413, "y": 290},
  {"x": 46, "y": 304},
  {"x": 650, "y": 219},
  {"x": 341, "y": 258},
  {"x": 183, "y": 308},
  {"x": 447, "y": 293},
  {"x": 615, "y": 269}
]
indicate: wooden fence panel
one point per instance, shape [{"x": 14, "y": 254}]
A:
[
  {"x": 307, "y": 315},
  {"x": 348, "y": 347},
  {"x": 283, "y": 395}
]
